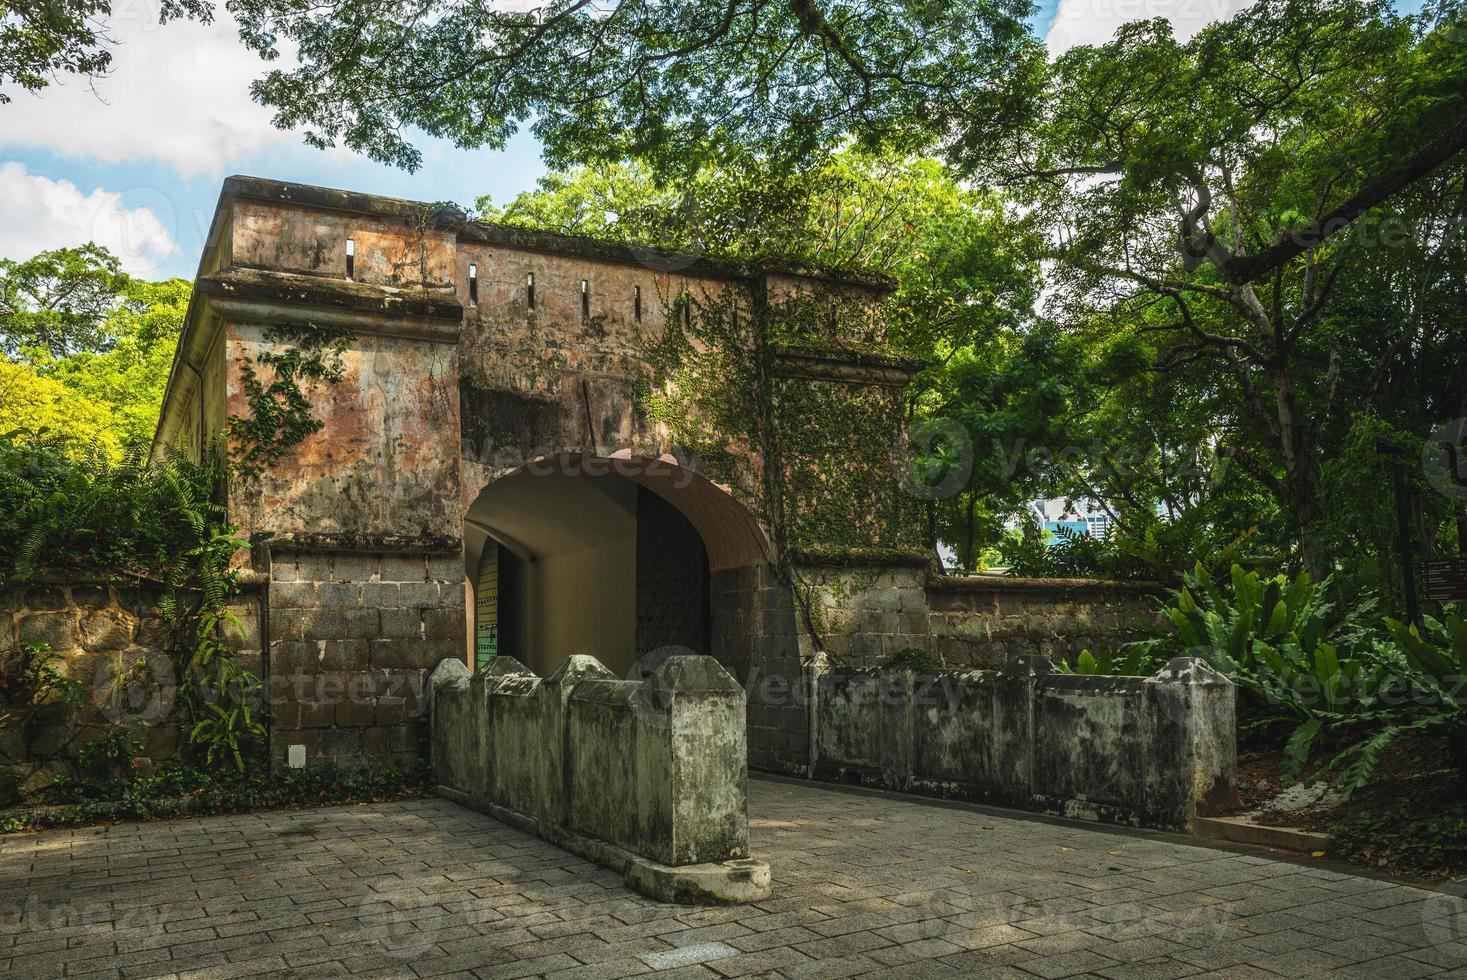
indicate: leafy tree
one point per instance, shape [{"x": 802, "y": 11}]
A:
[
  {"x": 673, "y": 82},
  {"x": 40, "y": 404},
  {"x": 1196, "y": 194},
  {"x": 40, "y": 39},
  {"x": 130, "y": 376},
  {"x": 58, "y": 302},
  {"x": 92, "y": 347}
]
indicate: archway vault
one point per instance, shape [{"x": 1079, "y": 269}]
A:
[
  {"x": 730, "y": 533},
  {"x": 610, "y": 556}
]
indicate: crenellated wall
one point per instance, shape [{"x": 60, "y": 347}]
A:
[
  {"x": 645, "y": 777},
  {"x": 1153, "y": 751}
]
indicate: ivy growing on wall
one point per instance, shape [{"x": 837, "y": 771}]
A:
[
  {"x": 280, "y": 413},
  {"x": 808, "y": 453}
]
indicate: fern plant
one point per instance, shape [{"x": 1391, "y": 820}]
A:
[
  {"x": 158, "y": 519},
  {"x": 1335, "y": 675},
  {"x": 1134, "y": 660}
]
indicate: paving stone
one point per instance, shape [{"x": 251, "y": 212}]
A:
[
  {"x": 865, "y": 886},
  {"x": 688, "y": 955}
]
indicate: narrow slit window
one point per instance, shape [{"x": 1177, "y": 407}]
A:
[
  {"x": 473, "y": 284},
  {"x": 637, "y": 303},
  {"x": 687, "y": 311},
  {"x": 530, "y": 290},
  {"x": 585, "y": 299},
  {"x": 351, "y": 257}
]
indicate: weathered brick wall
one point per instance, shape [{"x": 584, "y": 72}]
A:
[
  {"x": 987, "y": 621},
  {"x": 353, "y": 636}
]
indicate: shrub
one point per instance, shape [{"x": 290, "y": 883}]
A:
[
  {"x": 159, "y": 520},
  {"x": 1136, "y": 660},
  {"x": 1360, "y": 681},
  {"x": 181, "y": 788}
]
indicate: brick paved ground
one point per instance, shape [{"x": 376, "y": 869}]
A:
[{"x": 865, "y": 885}]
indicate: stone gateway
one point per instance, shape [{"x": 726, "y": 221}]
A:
[{"x": 457, "y": 440}]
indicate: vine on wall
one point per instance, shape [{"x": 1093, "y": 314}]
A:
[
  {"x": 809, "y": 457},
  {"x": 280, "y": 411}
]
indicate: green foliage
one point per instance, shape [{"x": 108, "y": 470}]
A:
[
  {"x": 31, "y": 675},
  {"x": 671, "y": 82},
  {"x": 110, "y": 757},
  {"x": 40, "y": 41},
  {"x": 280, "y": 411},
  {"x": 1136, "y": 660},
  {"x": 913, "y": 659},
  {"x": 1338, "y": 676},
  {"x": 1031, "y": 551},
  {"x": 181, "y": 788},
  {"x": 1237, "y": 265},
  {"x": 159, "y": 521},
  {"x": 129, "y": 377},
  {"x": 59, "y": 303},
  {"x": 1279, "y": 639},
  {"x": 1404, "y": 835},
  {"x": 86, "y": 348},
  {"x": 65, "y": 506}
]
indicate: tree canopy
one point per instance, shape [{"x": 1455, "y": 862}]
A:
[
  {"x": 84, "y": 348},
  {"x": 1197, "y": 197},
  {"x": 673, "y": 82},
  {"x": 41, "y": 39}
]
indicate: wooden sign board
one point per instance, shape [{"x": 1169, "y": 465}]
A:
[{"x": 1444, "y": 579}]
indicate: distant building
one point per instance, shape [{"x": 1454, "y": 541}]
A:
[{"x": 1078, "y": 516}]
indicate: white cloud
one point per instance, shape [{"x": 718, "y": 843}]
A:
[
  {"x": 1095, "y": 21},
  {"x": 41, "y": 214},
  {"x": 177, "y": 94}
]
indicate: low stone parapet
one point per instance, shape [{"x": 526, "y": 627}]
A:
[
  {"x": 648, "y": 778},
  {"x": 1152, "y": 751},
  {"x": 984, "y": 621}
]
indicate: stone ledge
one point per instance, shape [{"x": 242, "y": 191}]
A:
[
  {"x": 1242, "y": 830},
  {"x": 725, "y": 883},
  {"x": 1005, "y": 583}
]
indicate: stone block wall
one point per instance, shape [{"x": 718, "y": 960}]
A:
[
  {"x": 1152, "y": 751},
  {"x": 99, "y": 629},
  {"x": 646, "y": 777},
  {"x": 755, "y": 635},
  {"x": 989, "y": 620},
  {"x": 353, "y": 636},
  {"x": 865, "y": 614}
]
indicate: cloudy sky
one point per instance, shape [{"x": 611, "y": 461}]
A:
[{"x": 134, "y": 162}]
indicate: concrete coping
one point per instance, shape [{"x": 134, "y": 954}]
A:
[
  {"x": 1006, "y": 583},
  {"x": 693, "y": 675},
  {"x": 1192, "y": 671},
  {"x": 450, "y": 673},
  {"x": 578, "y": 667},
  {"x": 607, "y": 690},
  {"x": 505, "y": 666}
]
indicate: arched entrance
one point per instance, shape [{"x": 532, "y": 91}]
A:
[{"x": 620, "y": 558}]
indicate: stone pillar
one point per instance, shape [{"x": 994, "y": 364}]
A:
[
  {"x": 693, "y": 730},
  {"x": 456, "y": 726},
  {"x": 1191, "y": 744}
]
